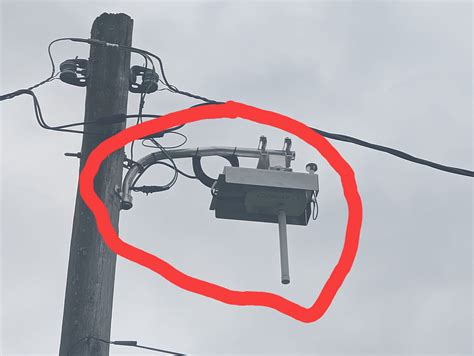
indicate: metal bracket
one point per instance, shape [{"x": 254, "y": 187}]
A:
[
  {"x": 263, "y": 161},
  {"x": 72, "y": 154},
  {"x": 262, "y": 143},
  {"x": 289, "y": 156},
  {"x": 287, "y": 145},
  {"x": 274, "y": 161}
]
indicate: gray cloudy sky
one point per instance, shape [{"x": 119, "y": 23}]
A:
[{"x": 396, "y": 73}]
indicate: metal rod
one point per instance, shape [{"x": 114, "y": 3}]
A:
[
  {"x": 285, "y": 270},
  {"x": 155, "y": 157}
]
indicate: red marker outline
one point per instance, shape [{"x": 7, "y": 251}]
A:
[{"x": 232, "y": 110}]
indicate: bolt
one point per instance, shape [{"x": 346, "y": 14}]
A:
[
  {"x": 71, "y": 154},
  {"x": 311, "y": 168}
]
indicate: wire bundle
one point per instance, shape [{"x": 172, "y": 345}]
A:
[{"x": 148, "y": 57}]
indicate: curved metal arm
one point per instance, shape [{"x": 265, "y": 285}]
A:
[{"x": 154, "y": 157}]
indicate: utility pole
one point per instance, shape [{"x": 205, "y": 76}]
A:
[{"x": 91, "y": 270}]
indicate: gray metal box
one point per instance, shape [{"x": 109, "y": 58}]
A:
[{"x": 259, "y": 194}]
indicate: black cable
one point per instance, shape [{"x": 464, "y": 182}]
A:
[
  {"x": 141, "y": 103},
  {"x": 185, "y": 139},
  {"x": 160, "y": 62},
  {"x": 50, "y": 78},
  {"x": 64, "y": 128},
  {"x": 152, "y": 189},
  {"x": 39, "y": 115},
  {"x": 165, "y": 153},
  {"x": 395, "y": 152},
  {"x": 179, "y": 171},
  {"x": 148, "y": 189},
  {"x": 155, "y": 188},
  {"x": 147, "y": 56},
  {"x": 53, "y": 75},
  {"x": 131, "y": 343},
  {"x": 172, "y": 88},
  {"x": 140, "y": 119},
  {"x": 117, "y": 118}
]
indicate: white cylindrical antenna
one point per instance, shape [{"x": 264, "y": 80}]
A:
[{"x": 285, "y": 270}]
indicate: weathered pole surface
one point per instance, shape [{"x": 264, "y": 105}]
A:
[{"x": 91, "y": 270}]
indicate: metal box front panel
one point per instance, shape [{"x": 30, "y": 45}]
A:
[{"x": 250, "y": 202}]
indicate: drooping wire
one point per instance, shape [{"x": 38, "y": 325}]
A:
[
  {"x": 185, "y": 139},
  {"x": 36, "y": 105},
  {"x": 184, "y": 174},
  {"x": 65, "y": 128},
  {"x": 131, "y": 343},
  {"x": 141, "y": 103},
  {"x": 156, "y": 144},
  {"x": 48, "y": 79},
  {"x": 395, "y": 152},
  {"x": 153, "y": 189},
  {"x": 40, "y": 119},
  {"x": 171, "y": 87},
  {"x": 53, "y": 76},
  {"x": 147, "y": 55}
]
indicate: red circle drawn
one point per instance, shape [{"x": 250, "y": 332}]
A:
[{"x": 232, "y": 110}]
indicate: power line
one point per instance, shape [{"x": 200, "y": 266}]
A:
[
  {"x": 53, "y": 70},
  {"x": 395, "y": 152},
  {"x": 147, "y": 56},
  {"x": 171, "y": 87}
]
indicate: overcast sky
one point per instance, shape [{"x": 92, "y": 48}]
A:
[{"x": 395, "y": 73}]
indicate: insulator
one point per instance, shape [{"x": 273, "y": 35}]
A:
[
  {"x": 74, "y": 72},
  {"x": 149, "y": 82}
]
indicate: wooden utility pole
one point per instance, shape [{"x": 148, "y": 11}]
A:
[{"x": 91, "y": 271}]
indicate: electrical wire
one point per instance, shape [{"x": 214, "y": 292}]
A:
[
  {"x": 185, "y": 139},
  {"x": 130, "y": 343},
  {"x": 171, "y": 87},
  {"x": 165, "y": 153},
  {"x": 157, "y": 188},
  {"x": 315, "y": 205},
  {"x": 392, "y": 151},
  {"x": 40, "y": 118},
  {"x": 148, "y": 57},
  {"x": 51, "y": 77},
  {"x": 117, "y": 118},
  {"x": 152, "y": 189},
  {"x": 36, "y": 105},
  {"x": 48, "y": 79},
  {"x": 184, "y": 174},
  {"x": 395, "y": 152},
  {"x": 141, "y": 103}
]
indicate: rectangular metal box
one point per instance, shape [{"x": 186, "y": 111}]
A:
[{"x": 259, "y": 194}]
